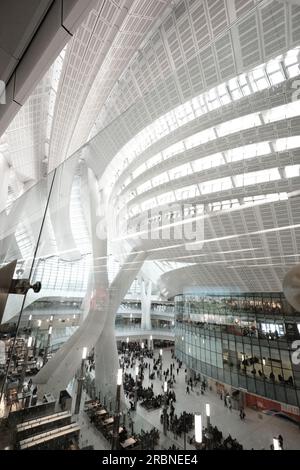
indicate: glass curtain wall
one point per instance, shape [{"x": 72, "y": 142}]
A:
[{"x": 244, "y": 341}]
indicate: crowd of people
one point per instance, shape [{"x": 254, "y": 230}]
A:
[
  {"x": 148, "y": 439},
  {"x": 256, "y": 305},
  {"x": 176, "y": 426},
  {"x": 133, "y": 386},
  {"x": 182, "y": 424},
  {"x": 213, "y": 439}
]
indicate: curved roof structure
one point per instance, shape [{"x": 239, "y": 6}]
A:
[{"x": 187, "y": 114}]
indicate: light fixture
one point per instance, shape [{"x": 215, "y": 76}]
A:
[
  {"x": 51, "y": 318},
  {"x": 119, "y": 377},
  {"x": 198, "y": 429},
  {"x": 276, "y": 444},
  {"x": 84, "y": 352},
  {"x": 207, "y": 409},
  {"x": 136, "y": 371},
  {"x": 50, "y": 330},
  {"x": 29, "y": 342},
  {"x": 165, "y": 387},
  {"x": 160, "y": 352}
]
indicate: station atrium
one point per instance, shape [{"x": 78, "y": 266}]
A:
[{"x": 150, "y": 225}]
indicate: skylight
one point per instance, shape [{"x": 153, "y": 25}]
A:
[{"x": 261, "y": 77}]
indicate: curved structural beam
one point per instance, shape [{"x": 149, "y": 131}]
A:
[
  {"x": 60, "y": 370},
  {"x": 26, "y": 213},
  {"x": 53, "y": 28},
  {"x": 59, "y": 208},
  {"x": 14, "y": 301}
]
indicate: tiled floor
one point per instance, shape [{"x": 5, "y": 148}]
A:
[{"x": 255, "y": 432}]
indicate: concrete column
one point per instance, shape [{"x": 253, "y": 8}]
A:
[
  {"x": 106, "y": 354},
  {"x": 146, "y": 290}
]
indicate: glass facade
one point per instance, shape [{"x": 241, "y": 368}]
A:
[{"x": 243, "y": 340}]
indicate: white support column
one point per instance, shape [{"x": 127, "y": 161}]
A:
[
  {"x": 106, "y": 354},
  {"x": 146, "y": 291}
]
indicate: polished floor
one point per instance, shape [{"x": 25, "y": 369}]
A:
[{"x": 256, "y": 432}]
